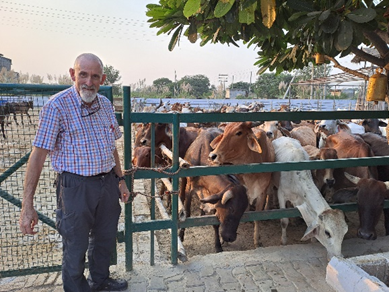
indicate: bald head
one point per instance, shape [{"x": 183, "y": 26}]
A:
[{"x": 88, "y": 57}]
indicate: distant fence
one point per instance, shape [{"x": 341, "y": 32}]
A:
[{"x": 41, "y": 252}]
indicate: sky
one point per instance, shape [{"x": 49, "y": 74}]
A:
[{"x": 45, "y": 36}]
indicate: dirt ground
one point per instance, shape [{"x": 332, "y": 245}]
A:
[{"x": 200, "y": 240}]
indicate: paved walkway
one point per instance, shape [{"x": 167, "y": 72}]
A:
[{"x": 289, "y": 268}]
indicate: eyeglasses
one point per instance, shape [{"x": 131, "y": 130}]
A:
[{"x": 90, "y": 110}]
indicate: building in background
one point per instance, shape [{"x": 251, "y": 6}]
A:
[{"x": 5, "y": 63}]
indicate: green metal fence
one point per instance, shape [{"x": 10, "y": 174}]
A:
[
  {"x": 20, "y": 255},
  {"x": 175, "y": 119}
]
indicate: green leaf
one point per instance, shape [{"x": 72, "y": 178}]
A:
[
  {"x": 345, "y": 36},
  {"x": 191, "y": 7},
  {"x": 331, "y": 24},
  {"x": 248, "y": 15},
  {"x": 324, "y": 15},
  {"x": 175, "y": 37},
  {"x": 296, "y": 15},
  {"x": 222, "y": 8},
  {"x": 362, "y": 15},
  {"x": 301, "y": 5}
]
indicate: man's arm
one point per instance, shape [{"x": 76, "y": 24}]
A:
[
  {"x": 28, "y": 215},
  {"x": 124, "y": 192}
]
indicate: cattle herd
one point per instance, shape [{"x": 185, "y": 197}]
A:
[
  {"x": 310, "y": 191},
  {"x": 14, "y": 108}
]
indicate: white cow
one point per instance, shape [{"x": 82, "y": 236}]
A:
[{"x": 327, "y": 225}]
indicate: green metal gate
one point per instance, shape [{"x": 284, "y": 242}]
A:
[{"x": 175, "y": 173}]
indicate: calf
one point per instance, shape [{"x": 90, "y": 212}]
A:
[
  {"x": 370, "y": 195},
  {"x": 239, "y": 145},
  {"x": 22, "y": 108},
  {"x": 328, "y": 226},
  {"x": 217, "y": 193}
]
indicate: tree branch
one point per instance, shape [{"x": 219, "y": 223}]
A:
[
  {"x": 345, "y": 69},
  {"x": 367, "y": 57},
  {"x": 378, "y": 42}
]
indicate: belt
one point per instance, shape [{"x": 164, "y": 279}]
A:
[{"x": 92, "y": 176}]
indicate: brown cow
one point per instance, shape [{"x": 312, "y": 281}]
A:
[
  {"x": 142, "y": 157},
  {"x": 370, "y": 194},
  {"x": 218, "y": 193},
  {"x": 239, "y": 145},
  {"x": 163, "y": 135},
  {"x": 350, "y": 146}
]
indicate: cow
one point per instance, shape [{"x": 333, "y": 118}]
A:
[
  {"x": 379, "y": 146},
  {"x": 219, "y": 194},
  {"x": 4, "y": 112},
  {"x": 370, "y": 195},
  {"x": 304, "y": 134},
  {"x": 22, "y": 108},
  {"x": 163, "y": 135},
  {"x": 373, "y": 126},
  {"x": 327, "y": 225},
  {"x": 239, "y": 145},
  {"x": 350, "y": 146}
]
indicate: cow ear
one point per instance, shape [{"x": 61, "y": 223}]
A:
[
  {"x": 312, "y": 231},
  {"x": 216, "y": 141},
  {"x": 253, "y": 144},
  {"x": 213, "y": 199}
]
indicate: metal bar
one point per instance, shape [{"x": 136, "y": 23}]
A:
[
  {"x": 152, "y": 203},
  {"x": 175, "y": 184},
  {"x": 14, "y": 167},
  {"x": 127, "y": 164},
  {"x": 18, "y": 203}
]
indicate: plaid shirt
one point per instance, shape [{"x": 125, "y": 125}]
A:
[{"x": 81, "y": 140}]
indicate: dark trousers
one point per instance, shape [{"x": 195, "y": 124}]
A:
[{"x": 87, "y": 215}]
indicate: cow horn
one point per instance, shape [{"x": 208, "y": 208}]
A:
[
  {"x": 226, "y": 196},
  {"x": 387, "y": 185},
  {"x": 353, "y": 179},
  {"x": 256, "y": 124}
]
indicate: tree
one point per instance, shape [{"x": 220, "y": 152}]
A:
[
  {"x": 268, "y": 85},
  {"x": 8, "y": 76},
  {"x": 36, "y": 79},
  {"x": 287, "y": 33},
  {"x": 199, "y": 85},
  {"x": 163, "y": 85},
  {"x": 112, "y": 77}
]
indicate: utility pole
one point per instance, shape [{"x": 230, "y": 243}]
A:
[{"x": 223, "y": 78}]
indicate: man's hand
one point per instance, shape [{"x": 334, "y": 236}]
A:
[
  {"x": 125, "y": 194},
  {"x": 28, "y": 220}
]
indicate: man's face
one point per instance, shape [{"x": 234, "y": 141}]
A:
[{"x": 87, "y": 76}]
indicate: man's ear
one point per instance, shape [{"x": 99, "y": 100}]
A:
[
  {"x": 103, "y": 79},
  {"x": 72, "y": 74}
]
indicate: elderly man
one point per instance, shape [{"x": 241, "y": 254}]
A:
[{"x": 78, "y": 129}]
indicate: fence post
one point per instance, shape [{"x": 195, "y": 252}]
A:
[{"x": 127, "y": 162}]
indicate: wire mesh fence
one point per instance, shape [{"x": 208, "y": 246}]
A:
[{"x": 25, "y": 254}]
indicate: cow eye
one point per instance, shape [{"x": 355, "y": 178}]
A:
[
  {"x": 328, "y": 234},
  {"x": 238, "y": 133}
]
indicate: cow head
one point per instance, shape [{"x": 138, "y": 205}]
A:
[
  {"x": 329, "y": 229},
  {"x": 371, "y": 194},
  {"x": 327, "y": 175},
  {"x": 235, "y": 144},
  {"x": 162, "y": 135},
  {"x": 230, "y": 206},
  {"x": 142, "y": 157}
]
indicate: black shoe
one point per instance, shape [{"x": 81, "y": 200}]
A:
[{"x": 109, "y": 285}]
